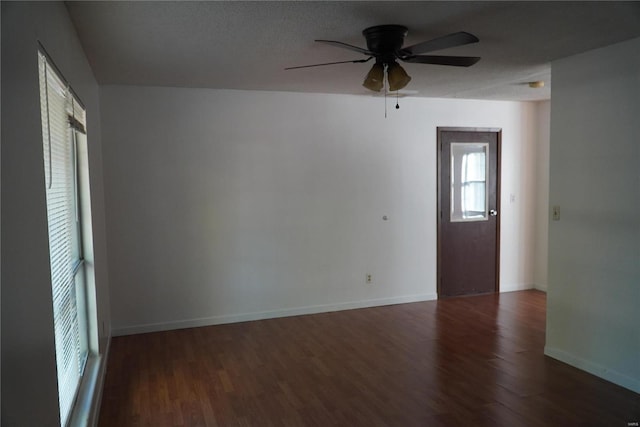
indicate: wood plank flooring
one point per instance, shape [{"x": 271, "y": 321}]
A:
[{"x": 475, "y": 361}]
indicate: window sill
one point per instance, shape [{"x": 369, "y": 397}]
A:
[{"x": 87, "y": 407}]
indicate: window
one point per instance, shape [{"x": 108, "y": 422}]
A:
[
  {"x": 469, "y": 180},
  {"x": 63, "y": 132},
  {"x": 473, "y": 185}
]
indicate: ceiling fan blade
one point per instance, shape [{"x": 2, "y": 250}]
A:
[
  {"x": 347, "y": 46},
  {"x": 444, "y": 42},
  {"x": 456, "y": 61},
  {"x": 355, "y": 61}
]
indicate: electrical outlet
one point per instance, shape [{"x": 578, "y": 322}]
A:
[
  {"x": 556, "y": 213},
  {"x": 369, "y": 278}
]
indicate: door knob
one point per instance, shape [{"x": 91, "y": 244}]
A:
[{"x": 493, "y": 212}]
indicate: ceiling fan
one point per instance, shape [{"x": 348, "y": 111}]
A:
[{"x": 384, "y": 43}]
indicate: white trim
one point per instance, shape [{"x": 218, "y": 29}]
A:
[
  {"x": 511, "y": 287},
  {"x": 594, "y": 368},
  {"x": 244, "y": 317},
  {"x": 94, "y": 417},
  {"x": 86, "y": 410}
]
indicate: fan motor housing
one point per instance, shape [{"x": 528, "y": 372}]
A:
[{"x": 385, "y": 40}]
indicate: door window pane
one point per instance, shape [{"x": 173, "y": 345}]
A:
[{"x": 469, "y": 172}]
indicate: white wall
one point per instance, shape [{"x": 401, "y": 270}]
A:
[
  {"x": 542, "y": 212},
  {"x": 593, "y": 320},
  {"x": 30, "y": 396},
  {"x": 233, "y": 205}
]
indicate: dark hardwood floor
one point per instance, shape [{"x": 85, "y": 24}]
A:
[{"x": 475, "y": 361}]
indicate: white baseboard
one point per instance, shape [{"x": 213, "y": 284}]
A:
[
  {"x": 540, "y": 287},
  {"x": 594, "y": 368},
  {"x": 512, "y": 287},
  {"x": 244, "y": 317}
]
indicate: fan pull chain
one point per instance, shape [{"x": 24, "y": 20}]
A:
[{"x": 397, "y": 103}]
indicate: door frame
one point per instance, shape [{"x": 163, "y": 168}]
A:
[{"x": 439, "y": 213}]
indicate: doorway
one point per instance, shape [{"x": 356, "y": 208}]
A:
[{"x": 468, "y": 214}]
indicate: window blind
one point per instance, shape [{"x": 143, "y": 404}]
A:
[{"x": 59, "y": 111}]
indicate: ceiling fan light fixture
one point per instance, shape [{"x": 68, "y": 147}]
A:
[
  {"x": 375, "y": 78},
  {"x": 385, "y": 45},
  {"x": 397, "y": 76}
]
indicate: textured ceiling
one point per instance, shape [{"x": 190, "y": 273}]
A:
[{"x": 247, "y": 45}]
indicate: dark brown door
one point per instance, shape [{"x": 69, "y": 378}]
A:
[{"x": 468, "y": 218}]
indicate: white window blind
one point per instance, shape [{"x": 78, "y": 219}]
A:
[{"x": 62, "y": 116}]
